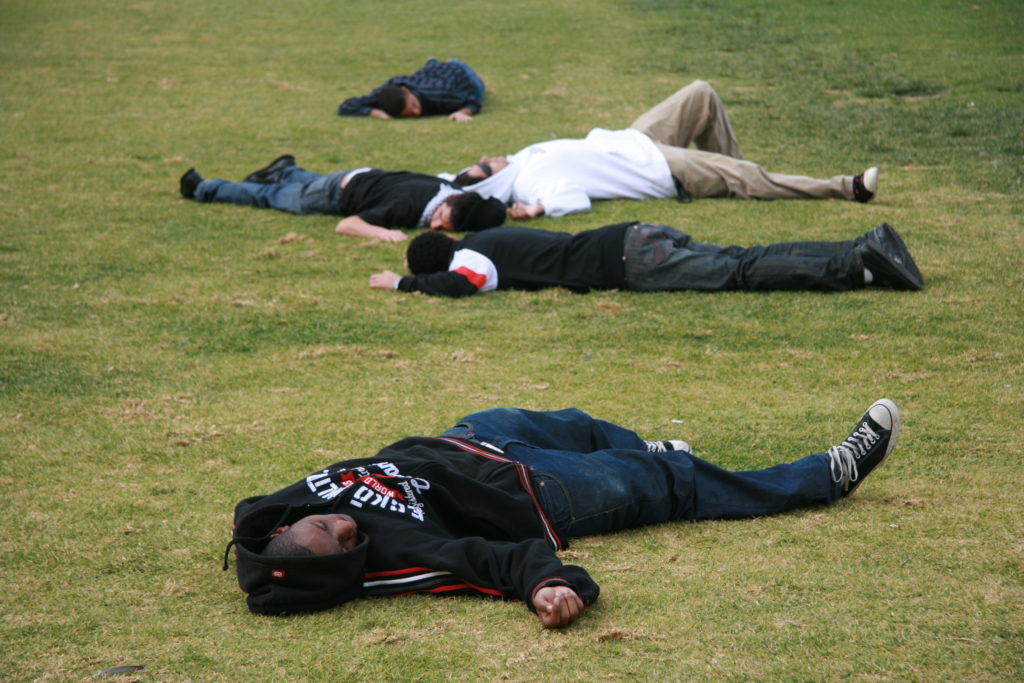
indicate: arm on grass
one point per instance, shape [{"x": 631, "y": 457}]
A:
[{"x": 357, "y": 227}]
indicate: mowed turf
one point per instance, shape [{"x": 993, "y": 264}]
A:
[{"x": 160, "y": 359}]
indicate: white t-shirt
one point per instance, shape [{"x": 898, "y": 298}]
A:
[{"x": 564, "y": 175}]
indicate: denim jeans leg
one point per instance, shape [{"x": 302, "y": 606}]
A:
[
  {"x": 662, "y": 258},
  {"x": 619, "y": 485},
  {"x": 299, "y": 192},
  {"x": 604, "y": 491},
  {"x": 593, "y": 476},
  {"x": 297, "y": 174},
  {"x": 323, "y": 194},
  {"x": 316, "y": 193},
  {"x": 612, "y": 489},
  {"x": 567, "y": 430},
  {"x": 757, "y": 493}
]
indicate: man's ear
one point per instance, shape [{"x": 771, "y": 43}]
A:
[{"x": 279, "y": 530}]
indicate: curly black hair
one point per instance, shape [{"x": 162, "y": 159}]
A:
[
  {"x": 430, "y": 252},
  {"x": 283, "y": 545}
]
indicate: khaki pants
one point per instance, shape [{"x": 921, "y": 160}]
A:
[{"x": 695, "y": 114}]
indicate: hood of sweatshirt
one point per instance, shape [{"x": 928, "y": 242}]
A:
[{"x": 280, "y": 585}]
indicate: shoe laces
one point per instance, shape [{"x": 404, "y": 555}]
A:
[
  {"x": 843, "y": 458},
  {"x": 656, "y": 447}
]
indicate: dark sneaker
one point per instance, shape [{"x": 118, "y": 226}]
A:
[
  {"x": 271, "y": 173},
  {"x": 865, "y": 185},
  {"x": 866, "y": 447},
  {"x": 669, "y": 445},
  {"x": 889, "y": 260},
  {"x": 189, "y": 182}
]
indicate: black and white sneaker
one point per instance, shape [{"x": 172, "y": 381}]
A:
[
  {"x": 866, "y": 447},
  {"x": 865, "y": 185},
  {"x": 669, "y": 445}
]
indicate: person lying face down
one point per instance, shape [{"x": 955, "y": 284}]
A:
[
  {"x": 449, "y": 88},
  {"x": 646, "y": 257},
  {"x": 374, "y": 202},
  {"x": 483, "y": 508}
]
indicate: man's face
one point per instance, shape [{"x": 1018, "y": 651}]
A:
[
  {"x": 413, "y": 108},
  {"x": 496, "y": 163},
  {"x": 477, "y": 172},
  {"x": 442, "y": 218},
  {"x": 323, "y": 534}
]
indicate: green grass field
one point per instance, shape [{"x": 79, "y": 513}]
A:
[{"x": 161, "y": 359}]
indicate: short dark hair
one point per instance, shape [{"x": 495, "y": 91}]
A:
[
  {"x": 470, "y": 211},
  {"x": 391, "y": 99},
  {"x": 283, "y": 545},
  {"x": 430, "y": 252},
  {"x": 464, "y": 179}
]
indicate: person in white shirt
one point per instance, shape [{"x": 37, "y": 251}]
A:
[{"x": 651, "y": 159}]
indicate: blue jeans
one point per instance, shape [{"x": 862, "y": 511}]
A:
[
  {"x": 660, "y": 258},
  {"x": 298, "y": 191},
  {"x": 594, "y": 477}
]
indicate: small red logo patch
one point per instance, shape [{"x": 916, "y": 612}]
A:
[{"x": 277, "y": 573}]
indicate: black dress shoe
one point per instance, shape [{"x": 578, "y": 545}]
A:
[
  {"x": 189, "y": 182},
  {"x": 271, "y": 173},
  {"x": 889, "y": 260}
]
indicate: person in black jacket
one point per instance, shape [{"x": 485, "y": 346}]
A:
[
  {"x": 372, "y": 200},
  {"x": 482, "y": 508},
  {"x": 645, "y": 257}
]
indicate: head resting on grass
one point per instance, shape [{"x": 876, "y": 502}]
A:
[
  {"x": 430, "y": 252},
  {"x": 314, "y": 563}
]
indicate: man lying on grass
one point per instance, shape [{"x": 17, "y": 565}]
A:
[
  {"x": 482, "y": 508},
  {"x": 374, "y": 202},
  {"x": 645, "y": 257},
  {"x": 651, "y": 159},
  {"x": 449, "y": 88}
]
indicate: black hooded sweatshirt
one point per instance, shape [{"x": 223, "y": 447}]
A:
[{"x": 437, "y": 515}]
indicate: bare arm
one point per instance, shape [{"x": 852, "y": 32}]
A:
[
  {"x": 557, "y": 606},
  {"x": 379, "y": 114},
  {"x": 357, "y": 227}
]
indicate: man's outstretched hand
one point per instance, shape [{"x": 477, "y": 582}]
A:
[
  {"x": 557, "y": 606},
  {"x": 385, "y": 280}
]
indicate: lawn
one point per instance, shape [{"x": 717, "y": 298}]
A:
[{"x": 161, "y": 359}]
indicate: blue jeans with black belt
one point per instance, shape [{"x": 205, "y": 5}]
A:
[
  {"x": 594, "y": 477},
  {"x": 298, "y": 191}
]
